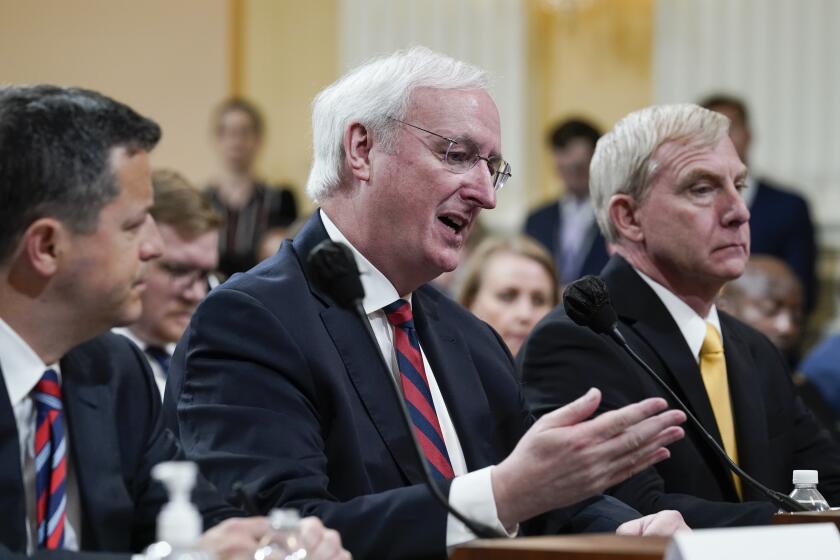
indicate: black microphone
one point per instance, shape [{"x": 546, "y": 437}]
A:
[
  {"x": 333, "y": 270},
  {"x": 587, "y": 303}
]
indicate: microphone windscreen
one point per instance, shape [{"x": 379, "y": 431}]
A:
[
  {"x": 587, "y": 303},
  {"x": 333, "y": 270}
]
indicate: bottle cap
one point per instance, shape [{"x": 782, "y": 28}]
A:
[
  {"x": 806, "y": 477},
  {"x": 284, "y": 519}
]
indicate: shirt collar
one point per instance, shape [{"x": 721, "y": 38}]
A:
[
  {"x": 691, "y": 325},
  {"x": 141, "y": 344},
  {"x": 379, "y": 291},
  {"x": 22, "y": 368}
]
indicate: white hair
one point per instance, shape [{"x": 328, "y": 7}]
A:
[
  {"x": 623, "y": 161},
  {"x": 372, "y": 94}
]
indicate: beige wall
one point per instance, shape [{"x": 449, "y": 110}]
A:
[
  {"x": 594, "y": 60},
  {"x": 166, "y": 59},
  {"x": 289, "y": 53},
  {"x": 174, "y": 60}
]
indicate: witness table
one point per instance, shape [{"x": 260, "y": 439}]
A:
[{"x": 573, "y": 547}]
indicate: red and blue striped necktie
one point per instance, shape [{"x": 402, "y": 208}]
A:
[
  {"x": 50, "y": 461},
  {"x": 416, "y": 391}
]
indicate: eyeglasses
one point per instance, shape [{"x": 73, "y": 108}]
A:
[
  {"x": 461, "y": 156},
  {"x": 184, "y": 277}
]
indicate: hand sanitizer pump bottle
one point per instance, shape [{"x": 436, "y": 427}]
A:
[{"x": 179, "y": 523}]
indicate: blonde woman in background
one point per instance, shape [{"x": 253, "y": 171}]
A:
[{"x": 510, "y": 284}]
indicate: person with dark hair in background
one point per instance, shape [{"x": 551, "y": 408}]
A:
[
  {"x": 178, "y": 280},
  {"x": 80, "y": 423},
  {"x": 566, "y": 227},
  {"x": 780, "y": 220},
  {"x": 407, "y": 152},
  {"x": 510, "y": 284},
  {"x": 768, "y": 297},
  {"x": 666, "y": 186},
  {"x": 251, "y": 209}
]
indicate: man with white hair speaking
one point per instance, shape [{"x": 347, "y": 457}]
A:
[
  {"x": 666, "y": 185},
  {"x": 282, "y": 389}
]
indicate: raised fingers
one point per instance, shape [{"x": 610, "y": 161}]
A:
[
  {"x": 573, "y": 413},
  {"x": 614, "y": 422}
]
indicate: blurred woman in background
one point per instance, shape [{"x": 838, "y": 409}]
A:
[
  {"x": 252, "y": 210},
  {"x": 510, "y": 284}
]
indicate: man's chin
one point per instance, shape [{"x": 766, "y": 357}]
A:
[{"x": 130, "y": 314}]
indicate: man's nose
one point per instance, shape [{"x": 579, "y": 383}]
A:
[
  {"x": 478, "y": 186},
  {"x": 151, "y": 246},
  {"x": 737, "y": 212}
]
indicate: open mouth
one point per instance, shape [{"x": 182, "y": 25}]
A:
[{"x": 455, "y": 223}]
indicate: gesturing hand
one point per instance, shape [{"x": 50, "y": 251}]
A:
[{"x": 565, "y": 458}]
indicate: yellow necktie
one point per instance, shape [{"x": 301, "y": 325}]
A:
[{"x": 713, "y": 370}]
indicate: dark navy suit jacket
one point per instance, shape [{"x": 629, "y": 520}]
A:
[
  {"x": 543, "y": 224},
  {"x": 116, "y": 434},
  {"x": 774, "y": 430},
  {"x": 780, "y": 225},
  {"x": 285, "y": 391}
]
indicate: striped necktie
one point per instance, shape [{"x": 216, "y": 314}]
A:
[
  {"x": 50, "y": 461},
  {"x": 416, "y": 391}
]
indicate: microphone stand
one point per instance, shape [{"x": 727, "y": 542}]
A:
[{"x": 782, "y": 501}]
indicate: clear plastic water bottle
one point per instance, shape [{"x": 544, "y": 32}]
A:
[
  {"x": 283, "y": 540},
  {"x": 805, "y": 491}
]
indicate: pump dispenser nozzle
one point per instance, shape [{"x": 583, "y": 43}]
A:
[{"x": 179, "y": 522}]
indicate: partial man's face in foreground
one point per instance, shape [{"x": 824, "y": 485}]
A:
[{"x": 106, "y": 270}]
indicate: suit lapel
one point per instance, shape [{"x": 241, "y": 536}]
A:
[
  {"x": 94, "y": 453},
  {"x": 748, "y": 411},
  {"x": 12, "y": 496},
  {"x": 363, "y": 363},
  {"x": 643, "y": 313},
  {"x": 457, "y": 378}
]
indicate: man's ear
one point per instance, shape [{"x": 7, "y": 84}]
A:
[
  {"x": 358, "y": 142},
  {"x": 623, "y": 212},
  {"x": 43, "y": 243}
]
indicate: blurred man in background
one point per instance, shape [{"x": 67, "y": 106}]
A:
[
  {"x": 178, "y": 280},
  {"x": 566, "y": 227},
  {"x": 768, "y": 297}
]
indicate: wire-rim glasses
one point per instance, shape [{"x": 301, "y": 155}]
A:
[{"x": 461, "y": 161}]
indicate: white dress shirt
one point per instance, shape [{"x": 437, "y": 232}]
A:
[
  {"x": 577, "y": 218},
  {"x": 691, "y": 325},
  {"x": 470, "y": 493},
  {"x": 160, "y": 375},
  {"x": 22, "y": 369}
]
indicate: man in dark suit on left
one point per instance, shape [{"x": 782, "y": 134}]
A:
[{"x": 80, "y": 424}]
